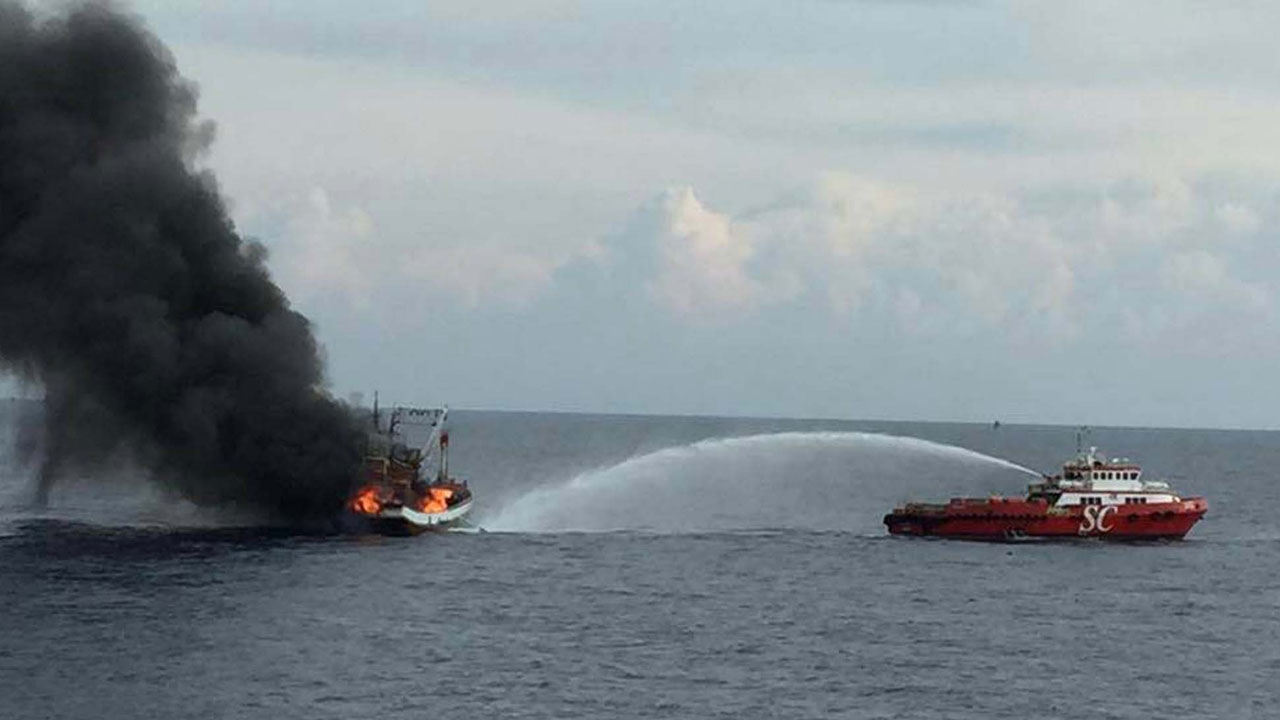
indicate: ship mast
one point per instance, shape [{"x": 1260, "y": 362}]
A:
[{"x": 1081, "y": 433}]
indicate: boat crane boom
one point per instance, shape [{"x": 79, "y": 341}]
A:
[{"x": 437, "y": 432}]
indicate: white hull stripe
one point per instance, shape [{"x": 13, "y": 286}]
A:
[{"x": 422, "y": 518}]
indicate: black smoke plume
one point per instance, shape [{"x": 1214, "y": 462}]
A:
[{"x": 125, "y": 291}]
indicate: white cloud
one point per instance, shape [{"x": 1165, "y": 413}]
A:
[
  {"x": 1143, "y": 212},
  {"x": 1204, "y": 278},
  {"x": 368, "y": 179},
  {"x": 324, "y": 251},
  {"x": 963, "y": 263},
  {"x": 1238, "y": 218},
  {"x": 945, "y": 262},
  {"x": 508, "y": 180},
  {"x": 1019, "y": 180},
  {"x": 329, "y": 250},
  {"x": 474, "y": 276},
  {"x": 703, "y": 259}
]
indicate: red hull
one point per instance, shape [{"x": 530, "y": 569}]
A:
[{"x": 1011, "y": 518}]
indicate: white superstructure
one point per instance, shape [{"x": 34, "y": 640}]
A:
[{"x": 1092, "y": 479}]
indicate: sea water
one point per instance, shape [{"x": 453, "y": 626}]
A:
[{"x": 651, "y": 567}]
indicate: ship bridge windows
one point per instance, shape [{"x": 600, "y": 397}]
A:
[{"x": 1115, "y": 475}]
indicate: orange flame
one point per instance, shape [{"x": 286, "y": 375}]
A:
[
  {"x": 366, "y": 501},
  {"x": 437, "y": 500}
]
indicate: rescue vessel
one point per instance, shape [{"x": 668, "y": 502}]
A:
[
  {"x": 1092, "y": 497},
  {"x": 405, "y": 484}
]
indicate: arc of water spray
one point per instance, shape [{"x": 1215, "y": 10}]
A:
[
  {"x": 603, "y": 477},
  {"x": 747, "y": 441}
]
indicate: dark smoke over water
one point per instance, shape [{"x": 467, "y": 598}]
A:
[{"x": 126, "y": 292}]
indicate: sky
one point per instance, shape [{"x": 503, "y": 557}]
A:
[{"x": 1032, "y": 212}]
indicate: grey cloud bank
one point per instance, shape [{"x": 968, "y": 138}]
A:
[{"x": 922, "y": 210}]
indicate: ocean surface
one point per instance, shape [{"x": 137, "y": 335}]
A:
[{"x": 656, "y": 567}]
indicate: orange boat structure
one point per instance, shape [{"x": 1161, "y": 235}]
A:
[
  {"x": 1093, "y": 497},
  {"x": 405, "y": 485}
]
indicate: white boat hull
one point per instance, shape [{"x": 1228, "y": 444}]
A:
[{"x": 417, "y": 520}]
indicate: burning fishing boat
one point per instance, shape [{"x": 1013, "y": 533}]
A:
[{"x": 405, "y": 485}]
